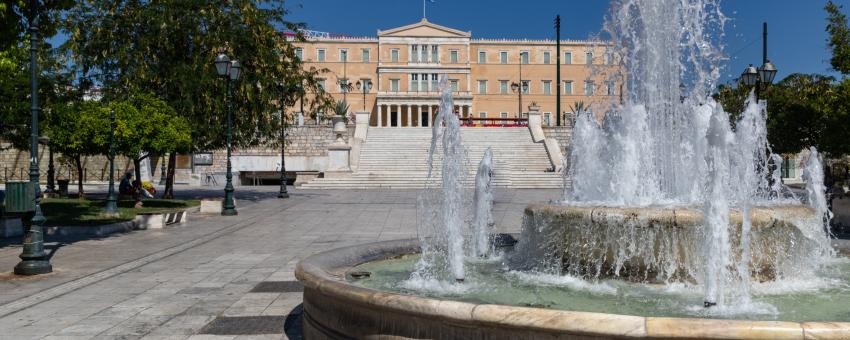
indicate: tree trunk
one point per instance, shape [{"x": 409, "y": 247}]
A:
[
  {"x": 79, "y": 163},
  {"x": 137, "y": 183},
  {"x": 169, "y": 181}
]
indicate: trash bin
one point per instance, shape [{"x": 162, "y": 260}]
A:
[
  {"x": 20, "y": 197},
  {"x": 63, "y": 187}
]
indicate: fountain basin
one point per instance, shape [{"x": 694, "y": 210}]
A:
[
  {"x": 337, "y": 309},
  {"x": 663, "y": 245}
]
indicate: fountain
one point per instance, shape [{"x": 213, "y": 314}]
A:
[{"x": 676, "y": 223}]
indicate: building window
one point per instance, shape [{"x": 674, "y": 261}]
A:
[
  {"x": 394, "y": 85},
  {"x": 482, "y": 57},
  {"x": 424, "y": 57},
  {"x": 414, "y": 53},
  {"x": 503, "y": 86},
  {"x": 320, "y": 55},
  {"x": 455, "y": 85},
  {"x": 547, "y": 118},
  {"x": 523, "y": 57},
  {"x": 435, "y": 84},
  {"x": 299, "y": 53},
  {"x": 526, "y": 87},
  {"x": 343, "y": 55},
  {"x": 588, "y": 87},
  {"x": 503, "y": 115},
  {"x": 547, "y": 87},
  {"x": 321, "y": 83},
  {"x": 414, "y": 82},
  {"x": 453, "y": 54},
  {"x": 503, "y": 57},
  {"x": 610, "y": 88},
  {"x": 609, "y": 58},
  {"x": 589, "y": 58},
  {"x": 546, "y": 57},
  {"x": 568, "y": 87},
  {"x": 423, "y": 82},
  {"x": 482, "y": 115},
  {"x": 366, "y": 53},
  {"x": 568, "y": 58},
  {"x": 482, "y": 87},
  {"x": 435, "y": 54},
  {"x": 394, "y": 55}
]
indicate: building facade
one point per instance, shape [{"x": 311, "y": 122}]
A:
[{"x": 404, "y": 66}]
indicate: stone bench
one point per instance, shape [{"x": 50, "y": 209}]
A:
[{"x": 160, "y": 221}]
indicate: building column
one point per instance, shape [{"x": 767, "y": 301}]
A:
[
  {"x": 419, "y": 110},
  {"x": 428, "y": 115},
  {"x": 409, "y": 115},
  {"x": 380, "y": 114},
  {"x": 398, "y": 116}
]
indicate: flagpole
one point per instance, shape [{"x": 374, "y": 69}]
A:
[{"x": 423, "y": 9}]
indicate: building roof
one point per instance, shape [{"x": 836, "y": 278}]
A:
[{"x": 424, "y": 28}]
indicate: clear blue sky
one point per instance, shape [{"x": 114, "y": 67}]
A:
[{"x": 796, "y": 40}]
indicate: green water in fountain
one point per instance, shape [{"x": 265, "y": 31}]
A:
[{"x": 822, "y": 298}]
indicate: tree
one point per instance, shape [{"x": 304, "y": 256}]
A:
[
  {"x": 798, "y": 107},
  {"x": 79, "y": 129},
  {"x": 839, "y": 38},
  {"x": 145, "y": 126},
  {"x": 15, "y": 116},
  {"x": 802, "y": 110},
  {"x": 167, "y": 48}
]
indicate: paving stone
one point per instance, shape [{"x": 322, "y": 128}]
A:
[{"x": 242, "y": 269}]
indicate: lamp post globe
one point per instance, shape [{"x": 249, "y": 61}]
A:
[
  {"x": 235, "y": 70},
  {"x": 767, "y": 72},
  {"x": 750, "y": 76},
  {"x": 222, "y": 65}
]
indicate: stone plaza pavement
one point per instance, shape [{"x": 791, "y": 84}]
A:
[{"x": 214, "y": 277}]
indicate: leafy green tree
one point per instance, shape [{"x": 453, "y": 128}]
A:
[
  {"x": 839, "y": 38},
  {"x": 79, "y": 129},
  {"x": 14, "y": 67},
  {"x": 168, "y": 48},
  {"x": 145, "y": 126},
  {"x": 798, "y": 110}
]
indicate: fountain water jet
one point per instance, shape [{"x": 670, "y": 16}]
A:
[{"x": 483, "y": 202}]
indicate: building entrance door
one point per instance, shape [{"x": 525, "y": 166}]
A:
[
  {"x": 394, "y": 118},
  {"x": 423, "y": 117}
]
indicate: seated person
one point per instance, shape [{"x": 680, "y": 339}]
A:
[{"x": 126, "y": 185}]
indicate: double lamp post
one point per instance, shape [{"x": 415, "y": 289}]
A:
[{"x": 230, "y": 70}]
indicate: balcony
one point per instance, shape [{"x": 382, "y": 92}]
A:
[{"x": 421, "y": 94}]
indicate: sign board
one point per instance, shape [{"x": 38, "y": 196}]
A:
[{"x": 202, "y": 158}]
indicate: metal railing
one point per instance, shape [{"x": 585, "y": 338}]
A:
[{"x": 494, "y": 122}]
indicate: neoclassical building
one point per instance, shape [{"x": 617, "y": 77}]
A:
[{"x": 404, "y": 64}]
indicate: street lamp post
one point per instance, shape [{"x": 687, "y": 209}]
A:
[
  {"x": 283, "y": 193},
  {"x": 762, "y": 76},
  {"x": 230, "y": 71},
  {"x": 111, "y": 208},
  {"x": 516, "y": 87},
  {"x": 33, "y": 258},
  {"x": 519, "y": 88},
  {"x": 364, "y": 87}
]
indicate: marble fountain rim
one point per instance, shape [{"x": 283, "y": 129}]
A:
[{"x": 323, "y": 274}]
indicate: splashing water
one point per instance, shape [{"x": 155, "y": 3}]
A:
[
  {"x": 670, "y": 144},
  {"x": 482, "y": 222},
  {"x": 441, "y": 213}
]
